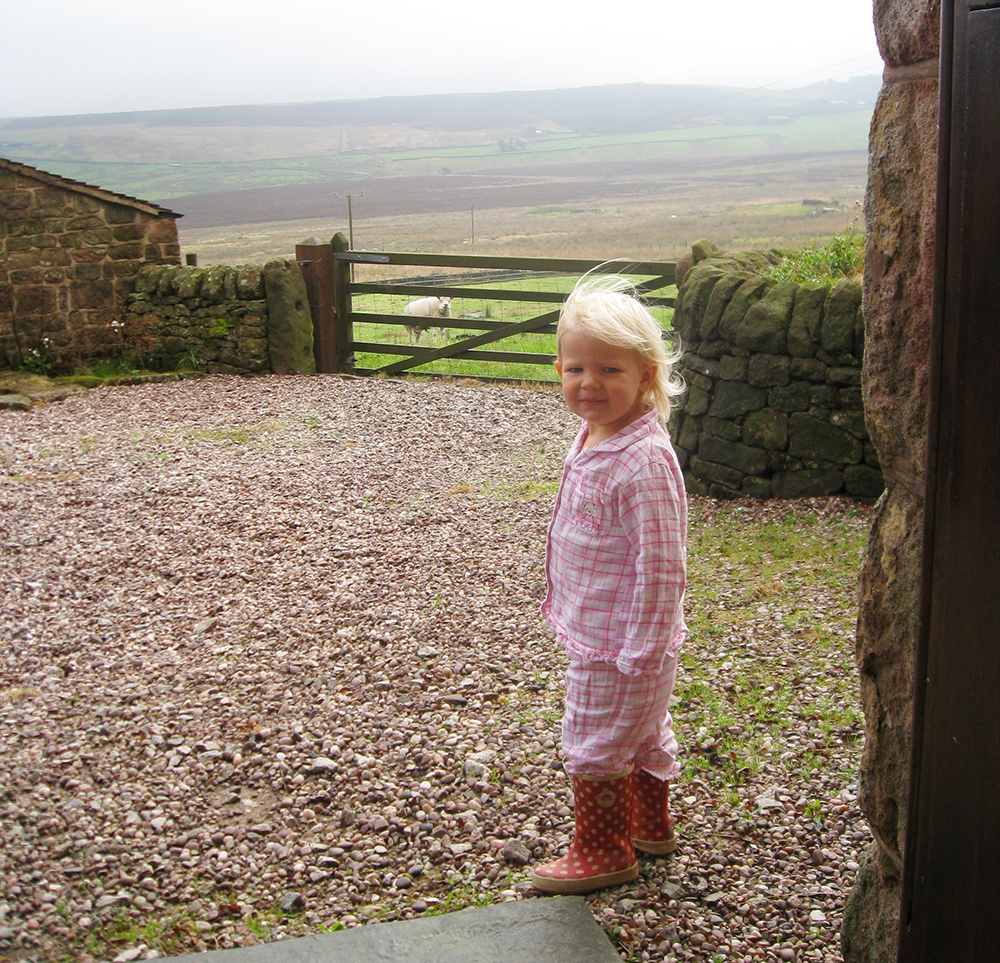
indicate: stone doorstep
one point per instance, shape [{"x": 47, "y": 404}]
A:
[{"x": 552, "y": 930}]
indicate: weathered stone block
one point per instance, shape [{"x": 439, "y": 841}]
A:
[
  {"x": 824, "y": 396},
  {"x": 807, "y": 483},
  {"x": 125, "y": 252},
  {"x": 709, "y": 369},
  {"x": 250, "y": 283},
  {"x": 35, "y": 299},
  {"x": 721, "y": 428},
  {"x": 804, "y": 328},
  {"x": 50, "y": 197},
  {"x": 766, "y": 428},
  {"x": 187, "y": 282},
  {"x": 118, "y": 214},
  {"x": 852, "y": 421},
  {"x": 746, "y": 460},
  {"x": 128, "y": 232},
  {"x": 733, "y": 368},
  {"x": 213, "y": 284},
  {"x": 162, "y": 230},
  {"x": 844, "y": 376},
  {"x": 83, "y": 204},
  {"x": 808, "y": 369},
  {"x": 289, "y": 329},
  {"x": 164, "y": 284},
  {"x": 722, "y": 294},
  {"x": 697, "y": 400},
  {"x": 698, "y": 380},
  {"x": 692, "y": 299},
  {"x": 722, "y": 474},
  {"x": 92, "y": 294},
  {"x": 813, "y": 439},
  {"x": 899, "y": 263},
  {"x": 15, "y": 200},
  {"x": 861, "y": 481},
  {"x": 85, "y": 224},
  {"x": 31, "y": 225},
  {"x": 840, "y": 319},
  {"x": 734, "y": 399},
  {"x": 768, "y": 370},
  {"x": 907, "y": 30},
  {"x": 687, "y": 437},
  {"x": 97, "y": 238},
  {"x": 756, "y": 487},
  {"x": 869, "y": 932},
  {"x": 713, "y": 349},
  {"x": 229, "y": 284},
  {"x": 765, "y": 327},
  {"x": 746, "y": 295}
]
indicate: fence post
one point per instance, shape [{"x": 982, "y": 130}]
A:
[
  {"x": 344, "y": 329},
  {"x": 315, "y": 260}
]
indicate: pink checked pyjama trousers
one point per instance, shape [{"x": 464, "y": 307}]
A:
[{"x": 613, "y": 720}]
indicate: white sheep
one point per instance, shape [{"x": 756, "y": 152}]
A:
[{"x": 426, "y": 308}]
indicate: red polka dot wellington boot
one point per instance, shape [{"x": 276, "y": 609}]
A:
[
  {"x": 601, "y": 853},
  {"x": 652, "y": 830}
]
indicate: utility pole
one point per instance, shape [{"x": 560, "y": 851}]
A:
[{"x": 473, "y": 212}]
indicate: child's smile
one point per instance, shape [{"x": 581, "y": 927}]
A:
[{"x": 602, "y": 383}]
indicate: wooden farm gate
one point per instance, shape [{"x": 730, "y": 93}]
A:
[{"x": 328, "y": 273}]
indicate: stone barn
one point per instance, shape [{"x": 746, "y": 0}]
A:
[{"x": 69, "y": 255}]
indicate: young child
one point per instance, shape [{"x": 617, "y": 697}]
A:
[{"x": 616, "y": 572}]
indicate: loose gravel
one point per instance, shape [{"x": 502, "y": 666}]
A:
[{"x": 272, "y": 664}]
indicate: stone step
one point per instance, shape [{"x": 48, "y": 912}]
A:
[{"x": 556, "y": 930}]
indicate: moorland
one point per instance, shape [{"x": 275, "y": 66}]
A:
[{"x": 632, "y": 170}]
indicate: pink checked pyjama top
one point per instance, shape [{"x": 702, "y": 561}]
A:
[{"x": 615, "y": 560}]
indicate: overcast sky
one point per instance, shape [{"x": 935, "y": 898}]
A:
[{"x": 83, "y": 56}]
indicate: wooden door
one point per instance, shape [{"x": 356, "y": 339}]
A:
[{"x": 951, "y": 882}]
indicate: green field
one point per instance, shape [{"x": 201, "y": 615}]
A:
[
  {"x": 507, "y": 312},
  {"x": 225, "y": 171}
]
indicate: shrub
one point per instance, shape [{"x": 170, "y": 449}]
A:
[{"x": 843, "y": 256}]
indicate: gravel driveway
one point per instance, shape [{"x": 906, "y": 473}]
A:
[{"x": 272, "y": 662}]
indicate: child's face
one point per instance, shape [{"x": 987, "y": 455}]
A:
[{"x": 603, "y": 384}]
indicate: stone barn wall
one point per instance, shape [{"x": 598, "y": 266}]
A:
[
  {"x": 69, "y": 256},
  {"x": 774, "y": 405}
]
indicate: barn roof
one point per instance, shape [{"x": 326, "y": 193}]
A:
[{"x": 55, "y": 180}]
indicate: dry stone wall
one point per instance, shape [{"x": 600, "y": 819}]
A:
[
  {"x": 69, "y": 256},
  {"x": 774, "y": 405},
  {"x": 225, "y": 320}
]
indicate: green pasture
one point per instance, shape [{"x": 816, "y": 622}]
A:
[
  {"x": 846, "y": 131},
  {"x": 481, "y": 310}
]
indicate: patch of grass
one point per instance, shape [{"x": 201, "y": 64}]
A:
[
  {"x": 842, "y": 257},
  {"x": 170, "y": 935},
  {"x": 243, "y": 435}
]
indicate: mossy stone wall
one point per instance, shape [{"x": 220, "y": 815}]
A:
[
  {"x": 226, "y": 320},
  {"x": 774, "y": 405}
]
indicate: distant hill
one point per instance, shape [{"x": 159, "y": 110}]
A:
[{"x": 616, "y": 108}]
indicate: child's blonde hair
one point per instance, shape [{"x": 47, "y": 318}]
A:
[{"x": 608, "y": 308}]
